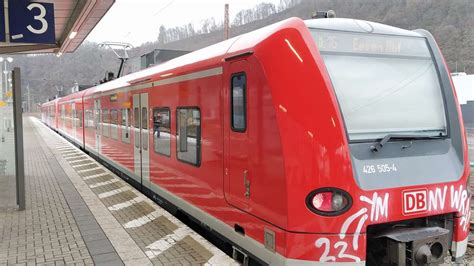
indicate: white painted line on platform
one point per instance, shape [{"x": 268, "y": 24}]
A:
[
  {"x": 100, "y": 184},
  {"x": 96, "y": 175},
  {"x": 160, "y": 246},
  {"x": 62, "y": 148},
  {"x": 125, "y": 204},
  {"x": 69, "y": 154},
  {"x": 144, "y": 219},
  {"x": 78, "y": 160},
  {"x": 72, "y": 153},
  {"x": 69, "y": 150},
  {"x": 90, "y": 169},
  {"x": 112, "y": 192},
  {"x": 74, "y": 156},
  {"x": 84, "y": 164}
]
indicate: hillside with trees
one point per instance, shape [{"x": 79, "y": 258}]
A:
[{"x": 450, "y": 21}]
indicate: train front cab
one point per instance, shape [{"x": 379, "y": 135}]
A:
[{"x": 374, "y": 148}]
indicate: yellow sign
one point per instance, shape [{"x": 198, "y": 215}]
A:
[
  {"x": 3, "y": 104},
  {"x": 113, "y": 97},
  {"x": 9, "y": 94}
]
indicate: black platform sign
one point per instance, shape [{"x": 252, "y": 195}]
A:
[
  {"x": 31, "y": 22},
  {"x": 2, "y": 20}
]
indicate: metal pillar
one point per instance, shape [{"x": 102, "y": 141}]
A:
[
  {"x": 18, "y": 130},
  {"x": 226, "y": 22}
]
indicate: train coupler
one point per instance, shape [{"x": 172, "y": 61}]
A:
[{"x": 416, "y": 245}]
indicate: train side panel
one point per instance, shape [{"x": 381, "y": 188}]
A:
[{"x": 115, "y": 130}]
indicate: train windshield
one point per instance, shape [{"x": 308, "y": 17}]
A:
[{"x": 384, "y": 84}]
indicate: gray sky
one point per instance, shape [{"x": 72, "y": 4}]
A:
[{"x": 139, "y": 20}]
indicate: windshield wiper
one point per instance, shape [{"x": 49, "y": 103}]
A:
[{"x": 379, "y": 144}]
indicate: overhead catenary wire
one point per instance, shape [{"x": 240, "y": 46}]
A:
[{"x": 163, "y": 8}]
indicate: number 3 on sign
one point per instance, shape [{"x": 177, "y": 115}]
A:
[{"x": 40, "y": 17}]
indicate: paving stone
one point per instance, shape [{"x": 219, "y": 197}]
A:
[
  {"x": 183, "y": 247},
  {"x": 61, "y": 229},
  {"x": 133, "y": 212},
  {"x": 99, "y": 179},
  {"x": 99, "y": 247},
  {"x": 31, "y": 232},
  {"x": 92, "y": 172},
  {"x": 119, "y": 198},
  {"x": 107, "y": 188},
  {"x": 106, "y": 257},
  {"x": 87, "y": 161}
]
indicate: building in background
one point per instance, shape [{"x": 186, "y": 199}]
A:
[
  {"x": 153, "y": 58},
  {"x": 464, "y": 85}
]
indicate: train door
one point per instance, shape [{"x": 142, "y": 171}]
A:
[
  {"x": 74, "y": 121},
  {"x": 141, "y": 138},
  {"x": 238, "y": 168},
  {"x": 97, "y": 125}
]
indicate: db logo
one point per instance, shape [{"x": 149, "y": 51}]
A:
[{"x": 415, "y": 201}]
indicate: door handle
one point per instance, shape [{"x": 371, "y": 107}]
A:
[{"x": 246, "y": 184}]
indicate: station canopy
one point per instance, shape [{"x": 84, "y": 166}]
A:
[{"x": 47, "y": 26}]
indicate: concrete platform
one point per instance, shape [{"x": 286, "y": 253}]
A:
[{"x": 80, "y": 213}]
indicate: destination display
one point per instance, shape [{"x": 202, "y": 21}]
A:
[
  {"x": 362, "y": 43},
  {"x": 31, "y": 22}
]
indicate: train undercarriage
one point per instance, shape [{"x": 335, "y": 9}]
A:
[{"x": 423, "y": 241}]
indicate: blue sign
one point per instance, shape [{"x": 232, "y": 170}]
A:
[
  {"x": 2, "y": 22},
  {"x": 31, "y": 22}
]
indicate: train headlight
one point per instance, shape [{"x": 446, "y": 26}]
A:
[{"x": 329, "y": 201}]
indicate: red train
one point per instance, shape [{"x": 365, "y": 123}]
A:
[{"x": 304, "y": 142}]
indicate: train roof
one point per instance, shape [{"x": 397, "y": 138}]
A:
[
  {"x": 354, "y": 25},
  {"x": 215, "y": 54},
  {"x": 51, "y": 102},
  {"x": 211, "y": 55},
  {"x": 73, "y": 96}
]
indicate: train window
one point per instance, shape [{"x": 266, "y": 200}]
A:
[
  {"x": 126, "y": 125},
  {"x": 113, "y": 117},
  {"x": 136, "y": 121},
  {"x": 238, "y": 102},
  {"x": 105, "y": 122},
  {"x": 188, "y": 134},
  {"x": 162, "y": 131},
  {"x": 74, "y": 118},
  {"x": 136, "y": 117},
  {"x": 97, "y": 123},
  {"x": 79, "y": 117},
  {"x": 89, "y": 119},
  {"x": 119, "y": 117},
  {"x": 63, "y": 116},
  {"x": 144, "y": 126},
  {"x": 113, "y": 122},
  {"x": 388, "y": 79},
  {"x": 144, "y": 118}
]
